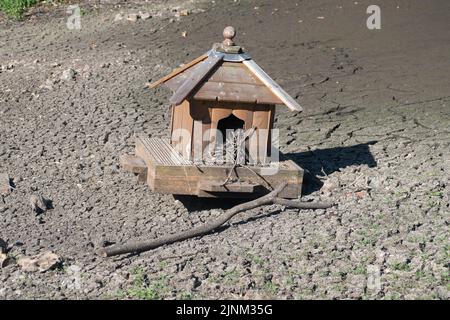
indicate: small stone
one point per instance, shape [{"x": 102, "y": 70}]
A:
[
  {"x": 118, "y": 17},
  {"x": 47, "y": 261},
  {"x": 184, "y": 12},
  {"x": 144, "y": 15},
  {"x": 132, "y": 17},
  {"x": 184, "y": 34},
  {"x": 68, "y": 74},
  {"x": 38, "y": 203}
]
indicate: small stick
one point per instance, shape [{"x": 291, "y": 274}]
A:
[
  {"x": 302, "y": 205},
  {"x": 206, "y": 228},
  {"x": 200, "y": 230}
]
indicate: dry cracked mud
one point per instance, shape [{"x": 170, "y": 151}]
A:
[{"x": 374, "y": 137}]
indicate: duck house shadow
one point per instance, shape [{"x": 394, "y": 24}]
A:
[
  {"x": 316, "y": 163},
  {"x": 322, "y": 162}
]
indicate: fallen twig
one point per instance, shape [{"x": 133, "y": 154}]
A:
[
  {"x": 302, "y": 205},
  {"x": 136, "y": 247}
]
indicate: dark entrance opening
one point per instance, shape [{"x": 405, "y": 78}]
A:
[
  {"x": 232, "y": 130},
  {"x": 229, "y": 123}
]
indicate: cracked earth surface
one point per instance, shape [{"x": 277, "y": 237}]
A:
[{"x": 374, "y": 137}]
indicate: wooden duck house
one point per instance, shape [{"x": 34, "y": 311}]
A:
[{"x": 222, "y": 141}]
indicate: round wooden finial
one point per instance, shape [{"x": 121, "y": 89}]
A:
[{"x": 229, "y": 33}]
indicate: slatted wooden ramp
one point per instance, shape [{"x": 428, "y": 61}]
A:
[{"x": 166, "y": 171}]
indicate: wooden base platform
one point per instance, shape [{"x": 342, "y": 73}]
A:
[{"x": 165, "y": 171}]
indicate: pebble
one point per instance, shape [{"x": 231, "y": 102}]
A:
[
  {"x": 38, "y": 203},
  {"x": 132, "y": 17},
  {"x": 118, "y": 17},
  {"x": 68, "y": 74},
  {"x": 144, "y": 15}
]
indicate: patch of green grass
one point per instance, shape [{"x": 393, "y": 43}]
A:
[
  {"x": 255, "y": 259},
  {"x": 446, "y": 277},
  {"x": 360, "y": 270},
  {"x": 401, "y": 266},
  {"x": 16, "y": 8},
  {"x": 153, "y": 291},
  {"x": 271, "y": 288},
  {"x": 438, "y": 194},
  {"x": 231, "y": 277},
  {"x": 143, "y": 289},
  {"x": 185, "y": 295},
  {"x": 393, "y": 296},
  {"x": 288, "y": 280},
  {"x": 420, "y": 274},
  {"x": 324, "y": 273},
  {"x": 369, "y": 236}
]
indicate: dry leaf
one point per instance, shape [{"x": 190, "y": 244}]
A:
[{"x": 41, "y": 262}]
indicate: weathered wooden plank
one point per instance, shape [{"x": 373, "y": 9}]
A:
[
  {"x": 193, "y": 80},
  {"x": 217, "y": 114},
  {"x": 187, "y": 124},
  {"x": 178, "y": 71},
  {"x": 245, "y": 115},
  {"x": 238, "y": 74},
  {"x": 158, "y": 152},
  {"x": 186, "y": 180},
  {"x": 285, "y": 171},
  {"x": 197, "y": 141},
  {"x": 236, "y": 92},
  {"x": 168, "y": 172},
  {"x": 175, "y": 82},
  {"x": 182, "y": 128},
  {"x": 215, "y": 186},
  {"x": 201, "y": 113},
  {"x": 269, "y": 143},
  {"x": 273, "y": 86},
  {"x": 176, "y": 126},
  {"x": 261, "y": 121},
  {"x": 232, "y": 64}
]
